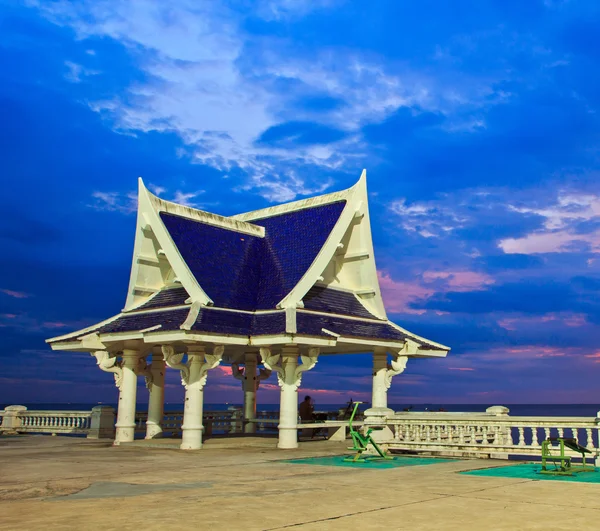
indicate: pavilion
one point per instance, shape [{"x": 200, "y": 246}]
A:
[{"x": 274, "y": 286}]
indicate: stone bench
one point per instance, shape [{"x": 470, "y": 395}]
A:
[{"x": 336, "y": 429}]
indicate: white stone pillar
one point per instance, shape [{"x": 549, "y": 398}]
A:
[
  {"x": 380, "y": 367},
  {"x": 378, "y": 413},
  {"x": 250, "y": 384},
  {"x": 193, "y": 408},
  {"x": 288, "y": 402},
  {"x": 193, "y": 377},
  {"x": 127, "y": 396},
  {"x": 155, "y": 381},
  {"x": 289, "y": 376}
]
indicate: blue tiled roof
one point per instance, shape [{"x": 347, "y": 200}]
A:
[
  {"x": 209, "y": 320},
  {"x": 243, "y": 324},
  {"x": 246, "y": 272},
  {"x": 325, "y": 299},
  {"x": 312, "y": 325},
  {"x": 165, "y": 298},
  {"x": 170, "y": 320},
  {"x": 292, "y": 242}
]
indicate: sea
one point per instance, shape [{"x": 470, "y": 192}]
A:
[{"x": 517, "y": 410}]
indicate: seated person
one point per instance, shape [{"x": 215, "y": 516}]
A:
[{"x": 306, "y": 415}]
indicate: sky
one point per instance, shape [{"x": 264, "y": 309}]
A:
[{"x": 477, "y": 122}]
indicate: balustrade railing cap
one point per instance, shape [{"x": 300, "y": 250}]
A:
[
  {"x": 15, "y": 408},
  {"x": 103, "y": 408},
  {"x": 497, "y": 410}
]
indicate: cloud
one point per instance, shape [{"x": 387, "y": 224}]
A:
[
  {"x": 182, "y": 198},
  {"x": 271, "y": 10},
  {"x": 459, "y": 280},
  {"x": 429, "y": 219},
  {"x": 126, "y": 203},
  {"x": 399, "y": 296},
  {"x": 569, "y": 319},
  {"x": 114, "y": 202},
  {"x": 15, "y": 294},
  {"x": 218, "y": 86},
  {"x": 562, "y": 227},
  {"x": 77, "y": 72}
]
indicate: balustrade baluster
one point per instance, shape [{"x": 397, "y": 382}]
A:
[
  {"x": 589, "y": 442},
  {"x": 547, "y": 433},
  {"x": 496, "y": 435},
  {"x": 561, "y": 432},
  {"x": 521, "y": 436},
  {"x": 461, "y": 434},
  {"x": 534, "y": 437},
  {"x": 575, "y": 433}
]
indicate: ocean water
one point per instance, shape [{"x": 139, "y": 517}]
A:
[{"x": 517, "y": 410}]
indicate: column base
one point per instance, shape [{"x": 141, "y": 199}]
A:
[
  {"x": 191, "y": 438},
  {"x": 377, "y": 417},
  {"x": 288, "y": 438},
  {"x": 153, "y": 430},
  {"x": 124, "y": 434}
]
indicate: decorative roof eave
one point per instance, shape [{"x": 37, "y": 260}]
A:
[
  {"x": 80, "y": 333},
  {"x": 420, "y": 339},
  {"x": 354, "y": 202}
]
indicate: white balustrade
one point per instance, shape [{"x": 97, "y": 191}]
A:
[{"x": 486, "y": 434}]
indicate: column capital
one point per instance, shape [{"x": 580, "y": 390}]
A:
[
  {"x": 396, "y": 367},
  {"x": 108, "y": 362},
  {"x": 286, "y": 364}
]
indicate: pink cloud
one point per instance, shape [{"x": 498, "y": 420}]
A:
[
  {"x": 569, "y": 319},
  {"x": 398, "y": 295},
  {"x": 549, "y": 242},
  {"x": 595, "y": 356},
  {"x": 15, "y": 294},
  {"x": 537, "y": 352},
  {"x": 459, "y": 280},
  {"x": 460, "y": 369},
  {"x": 224, "y": 370},
  {"x": 54, "y": 324}
]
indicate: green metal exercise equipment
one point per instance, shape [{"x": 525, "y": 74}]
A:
[
  {"x": 562, "y": 462},
  {"x": 360, "y": 442}
]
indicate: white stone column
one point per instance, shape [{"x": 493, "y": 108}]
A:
[
  {"x": 377, "y": 414},
  {"x": 155, "y": 381},
  {"x": 193, "y": 377},
  {"x": 380, "y": 367},
  {"x": 193, "y": 407},
  {"x": 127, "y": 396},
  {"x": 289, "y": 376},
  {"x": 249, "y": 384},
  {"x": 288, "y": 400}
]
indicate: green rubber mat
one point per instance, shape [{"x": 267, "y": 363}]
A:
[
  {"x": 531, "y": 471},
  {"x": 338, "y": 460}
]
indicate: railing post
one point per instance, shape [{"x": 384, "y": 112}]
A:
[
  {"x": 501, "y": 436},
  {"x": 11, "y": 420},
  {"x": 597, "y": 460},
  {"x": 102, "y": 423}
]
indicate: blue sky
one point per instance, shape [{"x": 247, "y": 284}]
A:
[{"x": 477, "y": 122}]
